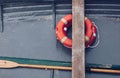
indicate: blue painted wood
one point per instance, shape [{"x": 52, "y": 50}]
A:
[
  {"x": 31, "y": 34},
  {"x": 1, "y": 19}
]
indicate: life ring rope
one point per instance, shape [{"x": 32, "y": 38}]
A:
[
  {"x": 65, "y": 21},
  {"x": 63, "y": 39}
]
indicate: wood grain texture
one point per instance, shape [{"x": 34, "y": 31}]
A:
[
  {"x": 78, "y": 64},
  {"x": 105, "y": 71}
]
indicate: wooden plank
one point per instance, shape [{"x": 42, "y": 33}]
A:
[{"x": 78, "y": 59}]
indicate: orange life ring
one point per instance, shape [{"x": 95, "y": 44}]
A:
[
  {"x": 93, "y": 37},
  {"x": 66, "y": 22}
]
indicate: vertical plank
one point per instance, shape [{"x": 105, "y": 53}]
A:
[
  {"x": 54, "y": 13},
  {"x": 78, "y": 56},
  {"x": 1, "y": 19}
]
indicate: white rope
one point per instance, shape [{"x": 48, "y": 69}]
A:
[
  {"x": 64, "y": 21},
  {"x": 63, "y": 39}
]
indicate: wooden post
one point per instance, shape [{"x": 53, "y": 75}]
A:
[{"x": 78, "y": 52}]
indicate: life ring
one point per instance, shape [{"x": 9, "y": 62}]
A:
[
  {"x": 93, "y": 37},
  {"x": 66, "y": 22}
]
